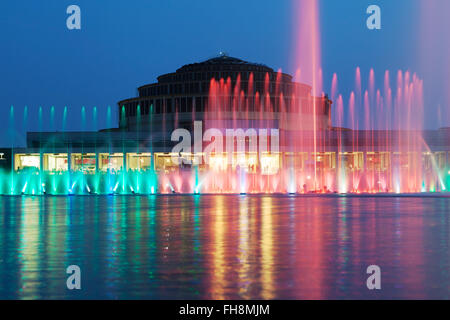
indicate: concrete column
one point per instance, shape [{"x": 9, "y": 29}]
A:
[
  {"x": 96, "y": 162},
  {"x": 69, "y": 168},
  {"x": 41, "y": 163},
  {"x": 447, "y": 161},
  {"x": 69, "y": 161},
  {"x": 364, "y": 161},
  {"x": 13, "y": 161},
  {"x": 152, "y": 161}
]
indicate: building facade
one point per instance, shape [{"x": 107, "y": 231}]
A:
[
  {"x": 179, "y": 97},
  {"x": 226, "y": 92}
]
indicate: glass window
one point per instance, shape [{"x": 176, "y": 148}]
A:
[
  {"x": 325, "y": 160},
  {"x": 83, "y": 162},
  {"x": 270, "y": 164},
  {"x": 139, "y": 161},
  {"x": 171, "y": 162},
  {"x": 27, "y": 162},
  {"x": 110, "y": 162},
  {"x": 351, "y": 160},
  {"x": 55, "y": 162},
  {"x": 378, "y": 161}
]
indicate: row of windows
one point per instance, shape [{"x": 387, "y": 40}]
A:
[
  {"x": 200, "y": 104},
  {"x": 90, "y": 162},
  {"x": 203, "y": 87},
  {"x": 229, "y": 67},
  {"x": 202, "y": 76}
]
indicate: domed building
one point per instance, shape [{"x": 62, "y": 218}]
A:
[
  {"x": 185, "y": 95},
  {"x": 140, "y": 155}
]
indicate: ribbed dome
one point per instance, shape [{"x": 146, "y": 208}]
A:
[{"x": 224, "y": 60}]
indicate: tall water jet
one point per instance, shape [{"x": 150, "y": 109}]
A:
[
  {"x": 94, "y": 119},
  {"x": 25, "y": 119},
  {"x": 40, "y": 119},
  {"x": 11, "y": 138},
  {"x": 64, "y": 119},
  {"x": 83, "y": 119},
  {"x": 308, "y": 57},
  {"x": 108, "y": 117},
  {"x": 52, "y": 118}
]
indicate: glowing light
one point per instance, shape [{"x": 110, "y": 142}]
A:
[
  {"x": 218, "y": 163},
  {"x": 270, "y": 164}
]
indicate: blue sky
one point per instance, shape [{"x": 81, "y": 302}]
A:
[{"x": 125, "y": 44}]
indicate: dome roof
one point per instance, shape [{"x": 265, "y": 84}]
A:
[{"x": 224, "y": 60}]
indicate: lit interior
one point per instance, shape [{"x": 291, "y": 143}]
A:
[
  {"x": 55, "y": 162},
  {"x": 351, "y": 160},
  {"x": 27, "y": 161},
  {"x": 270, "y": 164},
  {"x": 218, "y": 162},
  {"x": 110, "y": 162},
  {"x": 139, "y": 161},
  {"x": 84, "y": 162},
  {"x": 378, "y": 161}
]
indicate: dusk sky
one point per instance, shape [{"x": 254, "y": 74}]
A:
[{"x": 125, "y": 44}]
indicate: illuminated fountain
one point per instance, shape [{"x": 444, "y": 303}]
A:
[
  {"x": 252, "y": 130},
  {"x": 389, "y": 155}
]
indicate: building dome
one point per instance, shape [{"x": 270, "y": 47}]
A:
[
  {"x": 180, "y": 94},
  {"x": 222, "y": 66},
  {"x": 222, "y": 62}
]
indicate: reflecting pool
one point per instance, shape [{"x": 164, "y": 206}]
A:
[{"x": 224, "y": 246}]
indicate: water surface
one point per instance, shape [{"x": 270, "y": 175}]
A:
[{"x": 224, "y": 247}]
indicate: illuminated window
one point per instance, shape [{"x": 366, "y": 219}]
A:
[
  {"x": 218, "y": 162},
  {"x": 289, "y": 160},
  {"x": 351, "y": 160},
  {"x": 27, "y": 162},
  {"x": 325, "y": 160},
  {"x": 252, "y": 162},
  {"x": 246, "y": 161},
  {"x": 295, "y": 160},
  {"x": 436, "y": 160},
  {"x": 84, "y": 162},
  {"x": 112, "y": 162},
  {"x": 378, "y": 161},
  {"x": 270, "y": 163},
  {"x": 139, "y": 161},
  {"x": 55, "y": 162},
  {"x": 404, "y": 160},
  {"x": 441, "y": 160},
  {"x": 163, "y": 161}
]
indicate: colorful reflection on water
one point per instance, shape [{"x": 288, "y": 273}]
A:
[{"x": 224, "y": 246}]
